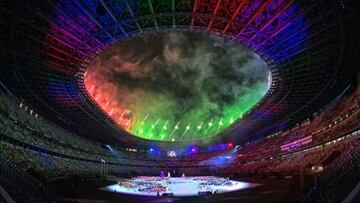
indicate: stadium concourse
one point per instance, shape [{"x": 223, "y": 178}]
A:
[{"x": 180, "y": 101}]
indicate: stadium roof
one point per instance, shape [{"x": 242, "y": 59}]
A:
[{"x": 311, "y": 47}]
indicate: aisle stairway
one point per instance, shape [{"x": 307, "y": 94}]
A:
[{"x": 4, "y": 196}]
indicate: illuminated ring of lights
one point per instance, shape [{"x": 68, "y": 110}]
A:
[
  {"x": 240, "y": 40},
  {"x": 151, "y": 30},
  {"x": 271, "y": 64}
]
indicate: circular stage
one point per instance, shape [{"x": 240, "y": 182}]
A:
[{"x": 177, "y": 186}]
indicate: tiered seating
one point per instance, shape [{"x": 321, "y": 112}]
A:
[
  {"x": 340, "y": 177},
  {"x": 53, "y": 151},
  {"x": 332, "y": 124},
  {"x": 21, "y": 186}
]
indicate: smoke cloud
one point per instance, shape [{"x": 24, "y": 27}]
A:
[{"x": 152, "y": 84}]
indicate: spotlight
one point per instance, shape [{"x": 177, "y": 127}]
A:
[
  {"x": 151, "y": 149},
  {"x": 230, "y": 145},
  {"x": 238, "y": 147},
  {"x": 192, "y": 149}
]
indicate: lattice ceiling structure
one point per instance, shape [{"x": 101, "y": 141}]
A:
[{"x": 311, "y": 47}]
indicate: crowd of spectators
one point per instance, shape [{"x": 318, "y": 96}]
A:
[
  {"x": 21, "y": 186},
  {"x": 340, "y": 178},
  {"x": 333, "y": 122},
  {"x": 36, "y": 144}
]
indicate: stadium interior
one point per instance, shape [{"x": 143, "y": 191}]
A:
[{"x": 179, "y": 101}]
